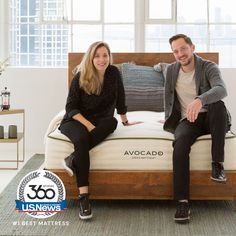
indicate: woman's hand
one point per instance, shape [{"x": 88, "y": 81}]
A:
[
  {"x": 126, "y": 122},
  {"x": 90, "y": 127},
  {"x": 84, "y": 121},
  {"x": 132, "y": 123}
]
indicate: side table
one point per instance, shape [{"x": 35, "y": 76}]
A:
[{"x": 20, "y": 136}]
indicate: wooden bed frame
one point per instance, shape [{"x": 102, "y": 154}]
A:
[{"x": 147, "y": 184}]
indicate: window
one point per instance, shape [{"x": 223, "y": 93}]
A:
[
  {"x": 185, "y": 13},
  {"x": 211, "y": 24},
  {"x": 89, "y": 10},
  {"x": 159, "y": 9},
  {"x": 42, "y": 32}
]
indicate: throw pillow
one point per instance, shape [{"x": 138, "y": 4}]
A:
[{"x": 144, "y": 87}]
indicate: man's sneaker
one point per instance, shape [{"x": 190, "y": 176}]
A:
[
  {"x": 68, "y": 165},
  {"x": 218, "y": 172},
  {"x": 182, "y": 214},
  {"x": 85, "y": 211}
]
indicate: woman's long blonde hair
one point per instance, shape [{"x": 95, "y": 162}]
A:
[{"x": 89, "y": 81}]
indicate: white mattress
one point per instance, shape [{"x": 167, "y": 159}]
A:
[{"x": 144, "y": 146}]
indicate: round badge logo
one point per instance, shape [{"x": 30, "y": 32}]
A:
[{"x": 41, "y": 194}]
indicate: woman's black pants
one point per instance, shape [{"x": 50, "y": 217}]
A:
[
  {"x": 83, "y": 141},
  {"x": 213, "y": 122}
]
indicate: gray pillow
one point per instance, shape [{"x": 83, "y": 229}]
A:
[{"x": 144, "y": 87}]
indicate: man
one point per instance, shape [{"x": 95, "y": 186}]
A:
[{"x": 193, "y": 107}]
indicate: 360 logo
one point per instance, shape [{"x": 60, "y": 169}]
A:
[
  {"x": 41, "y": 194},
  {"x": 48, "y": 193}
]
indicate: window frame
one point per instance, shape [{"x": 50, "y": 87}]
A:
[
  {"x": 172, "y": 20},
  {"x": 141, "y": 20}
]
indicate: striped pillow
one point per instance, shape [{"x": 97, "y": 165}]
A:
[{"x": 144, "y": 87}]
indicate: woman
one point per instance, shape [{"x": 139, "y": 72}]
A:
[{"x": 95, "y": 92}]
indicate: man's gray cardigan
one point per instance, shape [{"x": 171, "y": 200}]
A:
[{"x": 209, "y": 85}]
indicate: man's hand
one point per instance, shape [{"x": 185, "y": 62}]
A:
[{"x": 193, "y": 110}]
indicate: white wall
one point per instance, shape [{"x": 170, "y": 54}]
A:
[{"x": 42, "y": 93}]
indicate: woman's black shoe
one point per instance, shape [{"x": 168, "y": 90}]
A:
[
  {"x": 68, "y": 165},
  {"x": 218, "y": 172},
  {"x": 182, "y": 214},
  {"x": 85, "y": 211}
]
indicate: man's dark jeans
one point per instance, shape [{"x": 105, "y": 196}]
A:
[{"x": 213, "y": 122}]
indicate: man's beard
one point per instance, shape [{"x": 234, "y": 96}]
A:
[{"x": 188, "y": 62}]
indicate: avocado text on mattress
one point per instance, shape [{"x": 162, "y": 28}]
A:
[{"x": 142, "y": 154}]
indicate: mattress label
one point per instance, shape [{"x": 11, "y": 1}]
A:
[{"x": 142, "y": 154}]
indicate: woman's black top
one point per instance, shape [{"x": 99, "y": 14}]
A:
[{"x": 96, "y": 107}]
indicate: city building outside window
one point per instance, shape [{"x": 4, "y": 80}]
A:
[{"x": 42, "y": 32}]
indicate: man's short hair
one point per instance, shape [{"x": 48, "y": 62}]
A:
[{"x": 181, "y": 36}]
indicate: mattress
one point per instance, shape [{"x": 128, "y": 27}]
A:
[{"x": 144, "y": 146}]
